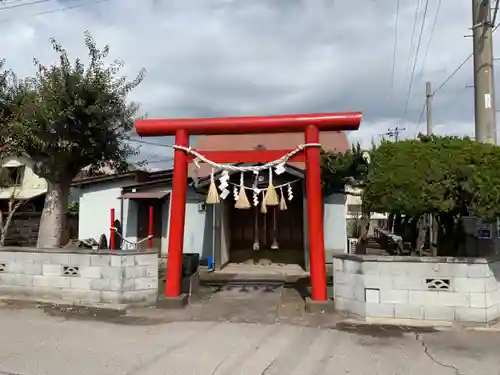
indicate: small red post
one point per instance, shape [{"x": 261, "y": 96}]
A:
[
  {"x": 112, "y": 229},
  {"x": 315, "y": 216},
  {"x": 178, "y": 215},
  {"x": 150, "y": 232}
]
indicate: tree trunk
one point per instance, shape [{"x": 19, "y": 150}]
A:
[
  {"x": 363, "y": 235},
  {"x": 4, "y": 227},
  {"x": 53, "y": 220},
  {"x": 420, "y": 241},
  {"x": 2, "y": 230},
  {"x": 390, "y": 222},
  {"x": 433, "y": 234},
  {"x": 459, "y": 238}
]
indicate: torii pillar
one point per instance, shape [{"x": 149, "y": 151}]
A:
[{"x": 309, "y": 124}]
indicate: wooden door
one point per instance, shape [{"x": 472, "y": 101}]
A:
[{"x": 247, "y": 224}]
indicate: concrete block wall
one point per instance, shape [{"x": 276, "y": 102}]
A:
[
  {"x": 80, "y": 277},
  {"x": 463, "y": 290}
]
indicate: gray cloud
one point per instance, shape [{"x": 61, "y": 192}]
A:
[{"x": 241, "y": 57}]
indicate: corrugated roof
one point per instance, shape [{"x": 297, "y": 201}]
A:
[{"x": 145, "y": 195}]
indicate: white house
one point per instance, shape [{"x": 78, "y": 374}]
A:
[
  {"x": 218, "y": 231},
  {"x": 19, "y": 180}
]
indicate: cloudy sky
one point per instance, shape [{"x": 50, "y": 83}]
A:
[{"x": 252, "y": 57}]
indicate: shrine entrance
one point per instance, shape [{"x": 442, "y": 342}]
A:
[
  {"x": 309, "y": 124},
  {"x": 274, "y": 237}
]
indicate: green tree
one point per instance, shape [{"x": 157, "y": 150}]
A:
[
  {"x": 12, "y": 93},
  {"x": 73, "y": 116},
  {"x": 448, "y": 177},
  {"x": 341, "y": 171}
]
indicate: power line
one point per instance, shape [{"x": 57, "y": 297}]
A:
[
  {"x": 412, "y": 42},
  {"x": 412, "y": 77},
  {"x": 462, "y": 64},
  {"x": 63, "y": 9},
  {"x": 394, "y": 132},
  {"x": 439, "y": 88},
  {"x": 167, "y": 160},
  {"x": 453, "y": 74},
  {"x": 448, "y": 79},
  {"x": 438, "y": 8},
  {"x": 420, "y": 118},
  {"x": 150, "y": 143},
  {"x": 497, "y": 5},
  {"x": 8, "y": 2},
  {"x": 24, "y": 4},
  {"x": 393, "y": 78}
]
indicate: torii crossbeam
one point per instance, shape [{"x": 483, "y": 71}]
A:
[{"x": 310, "y": 124}]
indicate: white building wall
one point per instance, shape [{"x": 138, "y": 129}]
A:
[
  {"x": 96, "y": 201},
  {"x": 335, "y": 226},
  {"x": 130, "y": 219},
  {"x": 198, "y": 228},
  {"x": 165, "y": 221},
  {"x": 31, "y": 185},
  {"x": 198, "y": 232},
  {"x": 194, "y": 229}
]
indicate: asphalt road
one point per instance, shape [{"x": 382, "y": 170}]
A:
[{"x": 35, "y": 343}]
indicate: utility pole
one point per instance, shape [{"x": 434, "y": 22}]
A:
[
  {"x": 484, "y": 86},
  {"x": 394, "y": 132},
  {"x": 428, "y": 106}
]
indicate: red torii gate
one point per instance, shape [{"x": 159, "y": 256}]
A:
[{"x": 310, "y": 124}]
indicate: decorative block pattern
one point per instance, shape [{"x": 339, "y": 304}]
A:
[
  {"x": 437, "y": 289},
  {"x": 80, "y": 277},
  {"x": 440, "y": 284},
  {"x": 71, "y": 271}
]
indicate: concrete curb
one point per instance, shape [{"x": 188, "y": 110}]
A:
[
  {"x": 409, "y": 324},
  {"x": 7, "y": 300}
]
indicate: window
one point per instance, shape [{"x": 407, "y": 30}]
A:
[{"x": 11, "y": 176}]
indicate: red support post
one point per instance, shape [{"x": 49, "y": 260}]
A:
[
  {"x": 112, "y": 229},
  {"x": 178, "y": 215},
  {"x": 150, "y": 230},
  {"x": 315, "y": 216}
]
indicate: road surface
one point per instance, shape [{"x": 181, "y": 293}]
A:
[{"x": 35, "y": 343}]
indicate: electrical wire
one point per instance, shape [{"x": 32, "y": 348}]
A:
[
  {"x": 448, "y": 79},
  {"x": 412, "y": 43},
  {"x": 7, "y": 7},
  {"x": 453, "y": 73},
  {"x": 63, "y": 9},
  {"x": 440, "y": 87},
  {"x": 166, "y": 160},
  {"x": 420, "y": 119},
  {"x": 150, "y": 143},
  {"x": 412, "y": 77},
  {"x": 8, "y": 2},
  {"x": 462, "y": 64},
  {"x": 495, "y": 12},
  {"x": 393, "y": 77},
  {"x": 436, "y": 15}
]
